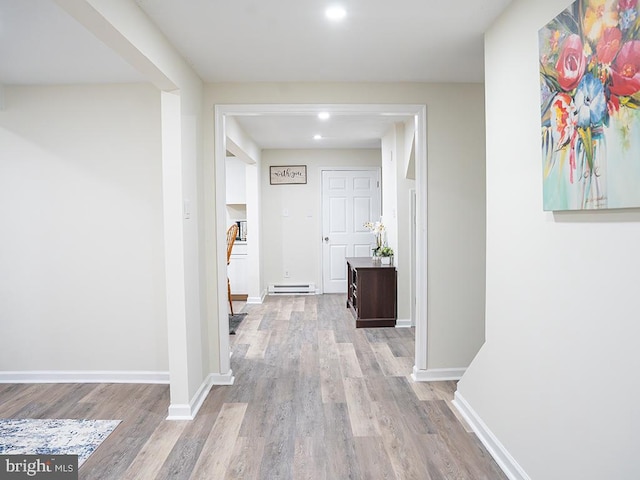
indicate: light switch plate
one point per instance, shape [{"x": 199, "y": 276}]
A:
[{"x": 186, "y": 208}]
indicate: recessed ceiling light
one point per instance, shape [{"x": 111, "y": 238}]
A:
[
  {"x": 317, "y": 137},
  {"x": 335, "y": 13},
  {"x": 323, "y": 115}
]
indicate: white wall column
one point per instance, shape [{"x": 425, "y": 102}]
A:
[{"x": 174, "y": 248}]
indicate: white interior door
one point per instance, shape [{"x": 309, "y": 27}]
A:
[{"x": 349, "y": 199}]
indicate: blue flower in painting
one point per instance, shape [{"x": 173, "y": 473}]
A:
[
  {"x": 590, "y": 101},
  {"x": 545, "y": 93},
  {"x": 627, "y": 18}
]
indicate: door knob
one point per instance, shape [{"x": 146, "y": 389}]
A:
[{"x": 326, "y": 239}]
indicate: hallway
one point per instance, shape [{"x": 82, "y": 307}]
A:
[{"x": 314, "y": 398}]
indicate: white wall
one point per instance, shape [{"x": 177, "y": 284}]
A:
[
  {"x": 456, "y": 220},
  {"x": 81, "y": 250},
  {"x": 293, "y": 243},
  {"x": 456, "y": 226},
  {"x": 396, "y": 209},
  {"x": 556, "y": 381},
  {"x": 391, "y": 150}
]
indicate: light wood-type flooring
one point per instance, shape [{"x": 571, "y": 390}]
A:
[{"x": 314, "y": 398}]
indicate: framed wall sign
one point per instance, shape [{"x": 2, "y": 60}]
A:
[{"x": 288, "y": 174}]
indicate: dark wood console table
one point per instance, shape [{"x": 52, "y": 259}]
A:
[{"x": 371, "y": 292}]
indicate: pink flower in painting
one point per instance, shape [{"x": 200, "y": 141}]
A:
[
  {"x": 609, "y": 45},
  {"x": 571, "y": 63},
  {"x": 625, "y": 70},
  {"x": 562, "y": 119},
  {"x": 627, "y": 4},
  {"x": 613, "y": 105}
]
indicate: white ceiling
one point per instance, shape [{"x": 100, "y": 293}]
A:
[
  {"x": 346, "y": 130},
  {"x": 291, "y": 40},
  {"x": 259, "y": 40},
  {"x": 41, "y": 44}
]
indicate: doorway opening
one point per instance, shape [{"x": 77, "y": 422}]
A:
[{"x": 417, "y": 113}]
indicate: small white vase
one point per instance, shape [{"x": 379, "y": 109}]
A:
[{"x": 386, "y": 260}]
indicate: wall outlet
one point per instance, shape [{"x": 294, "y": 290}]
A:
[{"x": 286, "y": 274}]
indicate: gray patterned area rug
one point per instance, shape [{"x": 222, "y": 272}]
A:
[
  {"x": 234, "y": 321},
  {"x": 53, "y": 437}
]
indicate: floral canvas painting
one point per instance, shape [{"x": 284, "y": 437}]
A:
[{"x": 590, "y": 106}]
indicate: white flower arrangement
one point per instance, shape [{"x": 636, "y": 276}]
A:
[{"x": 378, "y": 229}]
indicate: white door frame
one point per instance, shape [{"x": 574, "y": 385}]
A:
[
  {"x": 412, "y": 283},
  {"x": 419, "y": 112},
  {"x": 321, "y": 216}
]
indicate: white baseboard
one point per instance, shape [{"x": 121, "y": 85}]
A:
[
  {"x": 403, "y": 323},
  {"x": 55, "y": 376},
  {"x": 437, "y": 374},
  {"x": 257, "y": 300},
  {"x": 180, "y": 411},
  {"x": 221, "y": 379},
  {"x": 183, "y": 411},
  {"x": 503, "y": 458}
]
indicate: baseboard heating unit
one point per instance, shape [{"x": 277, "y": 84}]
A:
[{"x": 292, "y": 289}]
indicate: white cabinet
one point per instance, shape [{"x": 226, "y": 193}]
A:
[
  {"x": 238, "y": 269},
  {"x": 236, "y": 179}
]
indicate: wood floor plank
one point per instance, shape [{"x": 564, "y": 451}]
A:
[
  {"x": 14, "y": 397},
  {"x": 373, "y": 459},
  {"x": 307, "y": 399},
  {"x": 259, "y": 344},
  {"x": 259, "y": 413},
  {"x": 279, "y": 449},
  {"x": 299, "y": 304},
  {"x": 440, "y": 463},
  {"x": 462, "y": 446},
  {"x": 221, "y": 440},
  {"x": 361, "y": 413},
  {"x": 180, "y": 462},
  {"x": 310, "y": 461},
  {"x": 139, "y": 420},
  {"x": 155, "y": 451},
  {"x": 279, "y": 332},
  {"x": 413, "y": 413},
  {"x": 331, "y": 382},
  {"x": 309, "y": 360},
  {"x": 342, "y": 460},
  {"x": 327, "y": 345},
  {"x": 245, "y": 460},
  {"x": 405, "y": 460},
  {"x": 179, "y": 465},
  {"x": 390, "y": 364},
  {"x": 349, "y": 364}
]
